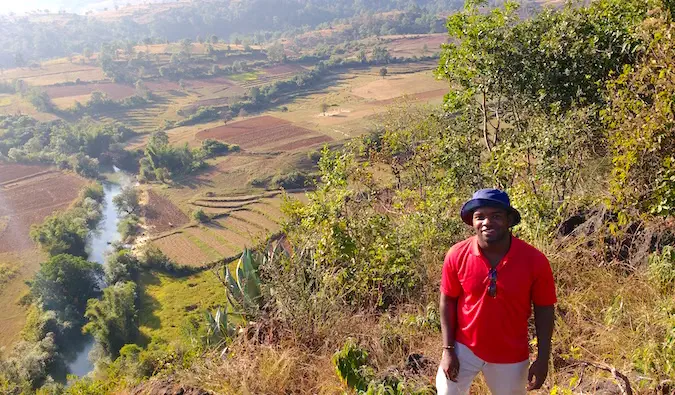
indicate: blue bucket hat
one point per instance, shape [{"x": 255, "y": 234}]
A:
[{"x": 488, "y": 198}]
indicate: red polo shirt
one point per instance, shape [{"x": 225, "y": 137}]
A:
[{"x": 495, "y": 329}]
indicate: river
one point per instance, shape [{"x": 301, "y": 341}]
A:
[{"x": 99, "y": 245}]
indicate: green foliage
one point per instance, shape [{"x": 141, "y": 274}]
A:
[
  {"x": 128, "y": 226},
  {"x": 62, "y": 233},
  {"x": 200, "y": 216},
  {"x": 213, "y": 148},
  {"x": 66, "y": 282},
  {"x": 113, "y": 320},
  {"x": 640, "y": 119},
  {"x": 80, "y": 147},
  {"x": 128, "y": 200},
  {"x": 244, "y": 290},
  {"x": 121, "y": 266},
  {"x": 92, "y": 191},
  {"x": 351, "y": 365},
  {"x": 39, "y": 99},
  {"x": 27, "y": 367},
  {"x": 202, "y": 115},
  {"x": 163, "y": 160},
  {"x": 662, "y": 268},
  {"x": 219, "y": 329},
  {"x": 291, "y": 180}
]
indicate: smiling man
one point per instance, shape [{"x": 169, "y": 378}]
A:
[{"x": 488, "y": 287}]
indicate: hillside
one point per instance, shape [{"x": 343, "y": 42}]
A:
[{"x": 266, "y": 211}]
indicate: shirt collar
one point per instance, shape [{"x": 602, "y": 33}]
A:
[{"x": 475, "y": 250}]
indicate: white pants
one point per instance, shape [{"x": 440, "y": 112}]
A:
[{"x": 501, "y": 378}]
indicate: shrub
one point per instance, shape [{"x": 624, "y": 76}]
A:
[
  {"x": 662, "y": 268},
  {"x": 294, "y": 179},
  {"x": 351, "y": 365},
  {"x": 200, "y": 216},
  {"x": 128, "y": 226}
]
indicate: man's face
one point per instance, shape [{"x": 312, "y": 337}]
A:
[{"x": 491, "y": 224}]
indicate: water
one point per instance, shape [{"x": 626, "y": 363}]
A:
[{"x": 99, "y": 245}]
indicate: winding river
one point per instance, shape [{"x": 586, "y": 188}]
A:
[{"x": 78, "y": 363}]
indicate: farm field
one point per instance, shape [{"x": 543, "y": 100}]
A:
[
  {"x": 28, "y": 194},
  {"x": 264, "y": 133},
  {"x": 357, "y": 97},
  {"x": 237, "y": 222},
  {"x": 167, "y": 303}
]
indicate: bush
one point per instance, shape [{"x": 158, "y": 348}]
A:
[
  {"x": 62, "y": 233},
  {"x": 662, "y": 268},
  {"x": 121, "y": 266},
  {"x": 65, "y": 282},
  {"x": 213, "y": 148},
  {"x": 294, "y": 179},
  {"x": 128, "y": 227},
  {"x": 200, "y": 216},
  {"x": 113, "y": 320}
]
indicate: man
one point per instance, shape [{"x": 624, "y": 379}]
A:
[{"x": 489, "y": 284}]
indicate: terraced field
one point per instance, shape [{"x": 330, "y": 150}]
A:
[{"x": 236, "y": 222}]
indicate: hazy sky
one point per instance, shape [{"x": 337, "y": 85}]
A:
[{"x": 78, "y": 6}]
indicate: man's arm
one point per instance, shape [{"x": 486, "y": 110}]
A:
[
  {"x": 449, "y": 361},
  {"x": 544, "y": 317}
]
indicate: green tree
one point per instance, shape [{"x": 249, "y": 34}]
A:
[
  {"x": 381, "y": 55},
  {"x": 61, "y": 233},
  {"x": 640, "y": 121},
  {"x": 66, "y": 282},
  {"x": 128, "y": 200},
  {"x": 383, "y": 72},
  {"x": 113, "y": 320}
]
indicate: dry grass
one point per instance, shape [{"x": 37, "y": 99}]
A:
[{"x": 260, "y": 369}]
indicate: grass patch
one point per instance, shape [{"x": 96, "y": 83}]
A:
[
  {"x": 7, "y": 272},
  {"x": 167, "y": 303},
  {"x": 5, "y": 101},
  {"x": 242, "y": 77}
]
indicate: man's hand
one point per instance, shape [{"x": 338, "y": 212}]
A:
[
  {"x": 537, "y": 374},
  {"x": 450, "y": 364}
]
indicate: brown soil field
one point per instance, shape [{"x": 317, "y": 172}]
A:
[
  {"x": 11, "y": 172},
  {"x": 266, "y": 210},
  {"x": 224, "y": 229},
  {"x": 26, "y": 199},
  {"x": 436, "y": 93},
  {"x": 398, "y": 85},
  {"x": 218, "y": 244},
  {"x": 181, "y": 250},
  {"x": 255, "y": 132},
  {"x": 284, "y": 69},
  {"x": 13, "y": 316},
  {"x": 256, "y": 218},
  {"x": 114, "y": 91},
  {"x": 304, "y": 143},
  {"x": 409, "y": 46},
  {"x": 167, "y": 85},
  {"x": 250, "y": 230},
  {"x": 162, "y": 215},
  {"x": 56, "y": 69}
]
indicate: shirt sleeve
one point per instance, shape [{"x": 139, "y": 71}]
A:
[
  {"x": 543, "y": 289},
  {"x": 450, "y": 285}
]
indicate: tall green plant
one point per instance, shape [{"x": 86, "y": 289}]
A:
[{"x": 243, "y": 291}]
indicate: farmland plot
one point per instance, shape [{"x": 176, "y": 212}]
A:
[
  {"x": 28, "y": 194},
  {"x": 263, "y": 133},
  {"x": 180, "y": 249},
  {"x": 162, "y": 215}
]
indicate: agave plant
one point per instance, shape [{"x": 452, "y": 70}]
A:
[
  {"x": 218, "y": 326},
  {"x": 244, "y": 290}
]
